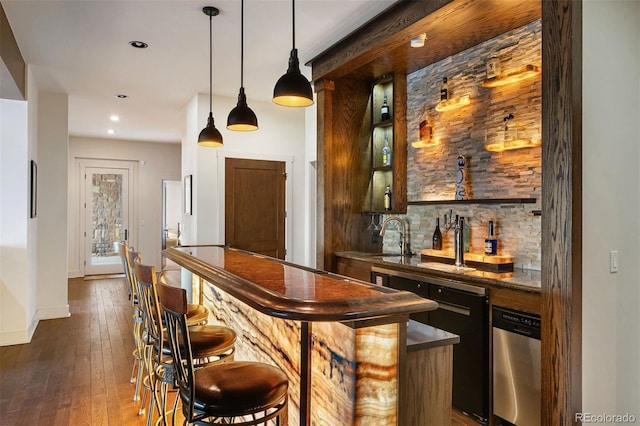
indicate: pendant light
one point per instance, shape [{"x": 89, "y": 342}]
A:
[
  {"x": 242, "y": 118},
  {"x": 293, "y": 89},
  {"x": 210, "y": 136}
]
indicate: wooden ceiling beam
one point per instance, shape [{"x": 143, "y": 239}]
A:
[{"x": 382, "y": 45}]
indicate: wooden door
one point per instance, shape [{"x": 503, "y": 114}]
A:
[{"x": 255, "y": 206}]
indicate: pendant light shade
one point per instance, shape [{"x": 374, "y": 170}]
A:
[
  {"x": 293, "y": 89},
  {"x": 242, "y": 118},
  {"x": 210, "y": 136}
]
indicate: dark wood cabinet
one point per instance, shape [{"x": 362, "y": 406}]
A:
[{"x": 357, "y": 269}]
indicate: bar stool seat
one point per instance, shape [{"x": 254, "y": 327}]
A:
[
  {"x": 235, "y": 388},
  {"x": 210, "y": 340},
  {"x": 197, "y": 314}
]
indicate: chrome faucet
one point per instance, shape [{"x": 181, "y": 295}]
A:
[{"x": 404, "y": 245}]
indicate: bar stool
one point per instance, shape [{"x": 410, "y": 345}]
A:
[
  {"x": 220, "y": 392},
  {"x": 212, "y": 343},
  {"x": 127, "y": 255},
  {"x": 137, "y": 372}
]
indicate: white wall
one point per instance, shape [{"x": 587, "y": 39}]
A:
[
  {"x": 51, "y": 268},
  {"x": 156, "y": 162},
  {"x": 281, "y": 137},
  {"x": 18, "y": 233},
  {"x": 16, "y": 311},
  {"x": 311, "y": 181},
  {"x": 611, "y": 206}
]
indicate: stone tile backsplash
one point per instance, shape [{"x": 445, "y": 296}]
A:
[{"x": 431, "y": 171}]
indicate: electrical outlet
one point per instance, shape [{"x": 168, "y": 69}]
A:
[{"x": 613, "y": 261}]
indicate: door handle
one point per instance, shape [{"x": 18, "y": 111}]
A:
[{"x": 126, "y": 235}]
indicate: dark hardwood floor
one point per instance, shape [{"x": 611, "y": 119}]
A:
[{"x": 76, "y": 370}]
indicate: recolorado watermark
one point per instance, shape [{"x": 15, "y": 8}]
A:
[{"x": 605, "y": 418}]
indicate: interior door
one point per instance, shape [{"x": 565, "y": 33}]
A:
[
  {"x": 107, "y": 218},
  {"x": 255, "y": 205}
]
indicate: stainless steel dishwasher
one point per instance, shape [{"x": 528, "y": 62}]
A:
[{"x": 516, "y": 367}]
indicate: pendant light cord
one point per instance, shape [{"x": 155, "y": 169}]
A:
[
  {"x": 242, "y": 43},
  {"x": 210, "y": 64},
  {"x": 293, "y": 17}
]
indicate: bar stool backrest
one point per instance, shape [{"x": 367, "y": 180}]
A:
[
  {"x": 147, "y": 284},
  {"x": 124, "y": 249},
  {"x": 174, "y": 307},
  {"x": 132, "y": 257}
]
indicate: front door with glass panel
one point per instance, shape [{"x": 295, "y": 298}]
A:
[{"x": 106, "y": 218}]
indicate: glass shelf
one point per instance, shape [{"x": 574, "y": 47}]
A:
[
  {"x": 383, "y": 124},
  {"x": 475, "y": 201},
  {"x": 424, "y": 144},
  {"x": 512, "y": 76},
  {"x": 453, "y": 103},
  {"x": 509, "y": 145}
]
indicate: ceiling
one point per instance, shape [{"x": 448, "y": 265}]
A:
[{"x": 80, "y": 47}]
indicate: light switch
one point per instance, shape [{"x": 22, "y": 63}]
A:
[{"x": 613, "y": 261}]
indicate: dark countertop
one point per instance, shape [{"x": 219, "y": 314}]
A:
[
  {"x": 422, "y": 336},
  {"x": 285, "y": 290},
  {"x": 519, "y": 279}
]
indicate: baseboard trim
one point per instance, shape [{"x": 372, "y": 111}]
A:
[
  {"x": 75, "y": 274},
  {"x": 54, "y": 312},
  {"x": 21, "y": 337}
]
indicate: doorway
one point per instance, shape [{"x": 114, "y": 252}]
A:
[
  {"x": 108, "y": 214},
  {"x": 255, "y": 210},
  {"x": 171, "y": 217}
]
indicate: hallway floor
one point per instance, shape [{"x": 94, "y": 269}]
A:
[{"x": 76, "y": 370}]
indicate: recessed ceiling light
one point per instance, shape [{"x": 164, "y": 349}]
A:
[
  {"x": 121, "y": 96},
  {"x": 114, "y": 118},
  {"x": 138, "y": 44},
  {"x": 111, "y": 131}
]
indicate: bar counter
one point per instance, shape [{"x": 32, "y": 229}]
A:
[{"x": 342, "y": 342}]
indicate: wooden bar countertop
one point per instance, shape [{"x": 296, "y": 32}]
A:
[{"x": 284, "y": 290}]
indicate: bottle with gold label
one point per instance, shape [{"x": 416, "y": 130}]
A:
[
  {"x": 387, "y": 198},
  {"x": 386, "y": 153}
]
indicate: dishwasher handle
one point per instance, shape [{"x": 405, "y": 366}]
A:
[{"x": 522, "y": 331}]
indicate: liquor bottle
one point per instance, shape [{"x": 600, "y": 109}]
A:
[
  {"x": 444, "y": 90},
  {"x": 437, "y": 236},
  {"x": 493, "y": 67},
  {"x": 384, "y": 110},
  {"x": 386, "y": 152},
  {"x": 387, "y": 198},
  {"x": 491, "y": 242}
]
